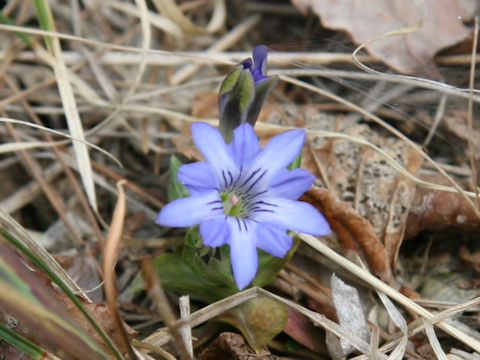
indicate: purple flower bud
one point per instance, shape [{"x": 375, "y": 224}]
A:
[{"x": 243, "y": 92}]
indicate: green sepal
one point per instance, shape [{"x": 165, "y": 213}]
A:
[
  {"x": 262, "y": 89},
  {"x": 230, "y": 80},
  {"x": 235, "y": 104},
  {"x": 176, "y": 189}
]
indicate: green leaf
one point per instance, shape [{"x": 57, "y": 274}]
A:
[
  {"x": 269, "y": 266},
  {"x": 296, "y": 163},
  {"x": 176, "y": 189},
  {"x": 259, "y": 320},
  {"x": 197, "y": 280},
  {"x": 193, "y": 238}
]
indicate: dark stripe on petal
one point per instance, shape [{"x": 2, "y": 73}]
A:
[
  {"x": 250, "y": 177},
  {"x": 238, "y": 223},
  {"x": 256, "y": 181},
  {"x": 261, "y": 202},
  {"x": 224, "y": 179},
  {"x": 258, "y": 193}
]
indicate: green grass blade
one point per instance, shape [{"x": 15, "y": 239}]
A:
[
  {"x": 65, "y": 289},
  {"x": 30, "y": 300},
  {"x": 44, "y": 19},
  {"x": 5, "y": 19},
  {"x": 22, "y": 343}
]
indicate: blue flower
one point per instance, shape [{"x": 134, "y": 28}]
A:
[
  {"x": 244, "y": 196},
  {"x": 243, "y": 92}
]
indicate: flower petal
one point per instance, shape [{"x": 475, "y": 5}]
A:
[
  {"x": 280, "y": 151},
  {"x": 215, "y": 232},
  {"x": 245, "y": 145},
  {"x": 260, "y": 53},
  {"x": 273, "y": 240},
  {"x": 291, "y": 184},
  {"x": 197, "y": 177},
  {"x": 211, "y": 144},
  {"x": 243, "y": 251},
  {"x": 191, "y": 210},
  {"x": 293, "y": 215}
]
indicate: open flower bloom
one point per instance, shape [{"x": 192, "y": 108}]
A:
[{"x": 244, "y": 196}]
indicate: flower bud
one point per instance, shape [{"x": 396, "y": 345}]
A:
[{"x": 243, "y": 92}]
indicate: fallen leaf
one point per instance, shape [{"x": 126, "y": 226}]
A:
[
  {"x": 455, "y": 122},
  {"x": 353, "y": 231},
  {"x": 411, "y": 53},
  {"x": 435, "y": 210},
  {"x": 362, "y": 177},
  {"x": 259, "y": 320},
  {"x": 300, "y": 328},
  {"x": 349, "y": 311},
  {"x": 231, "y": 346}
]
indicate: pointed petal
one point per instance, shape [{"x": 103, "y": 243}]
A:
[
  {"x": 273, "y": 240},
  {"x": 245, "y": 145},
  {"x": 191, "y": 210},
  {"x": 280, "y": 151},
  {"x": 215, "y": 232},
  {"x": 243, "y": 251},
  {"x": 291, "y": 184},
  {"x": 293, "y": 215},
  {"x": 260, "y": 53},
  {"x": 211, "y": 144},
  {"x": 197, "y": 177}
]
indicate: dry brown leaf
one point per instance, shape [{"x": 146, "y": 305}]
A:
[
  {"x": 434, "y": 210},
  {"x": 352, "y": 230},
  {"x": 362, "y": 177},
  {"x": 411, "y": 53},
  {"x": 102, "y": 317},
  {"x": 231, "y": 346},
  {"x": 456, "y": 123},
  {"x": 300, "y": 328}
]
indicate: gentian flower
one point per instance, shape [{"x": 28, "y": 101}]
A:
[
  {"x": 243, "y": 92},
  {"x": 244, "y": 196}
]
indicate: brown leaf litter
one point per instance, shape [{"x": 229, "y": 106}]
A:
[{"x": 410, "y": 53}]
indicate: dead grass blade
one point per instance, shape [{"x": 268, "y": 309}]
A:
[
  {"x": 430, "y": 331},
  {"x": 387, "y": 290},
  {"x": 71, "y": 112},
  {"x": 172, "y": 11},
  {"x": 110, "y": 258},
  {"x": 57, "y": 143},
  {"x": 471, "y": 85},
  {"x": 158, "y": 295}
]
